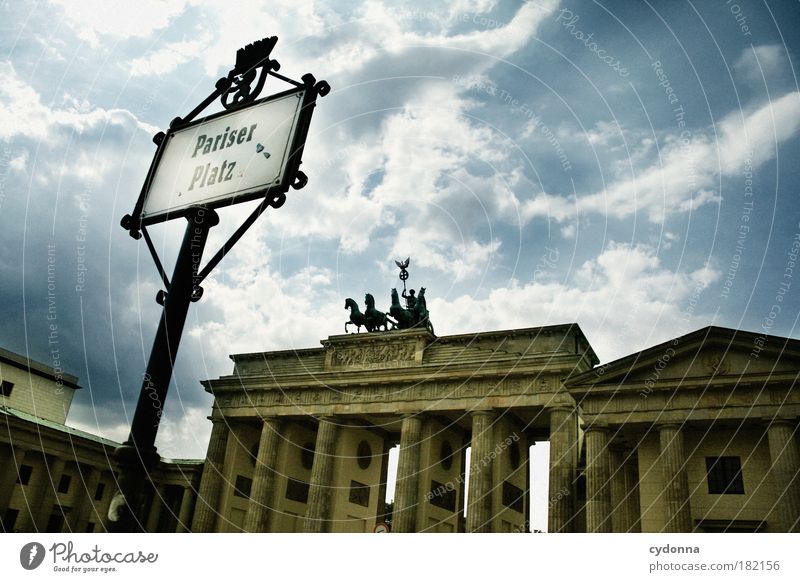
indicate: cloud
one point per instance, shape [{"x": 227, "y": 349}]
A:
[
  {"x": 22, "y": 113},
  {"x": 118, "y": 19},
  {"x": 685, "y": 174},
  {"x": 167, "y": 58},
  {"x": 624, "y": 300},
  {"x": 759, "y": 64}
]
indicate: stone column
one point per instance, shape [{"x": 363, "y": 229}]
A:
[
  {"x": 563, "y": 461},
  {"x": 10, "y": 461},
  {"x": 633, "y": 510},
  {"x": 598, "y": 475},
  {"x": 85, "y": 497},
  {"x": 406, "y": 496},
  {"x": 320, "y": 491},
  {"x": 262, "y": 494},
  {"x": 48, "y": 495},
  {"x": 785, "y": 468},
  {"x": 156, "y": 507},
  {"x": 185, "y": 511},
  {"x": 621, "y": 493},
  {"x": 206, "y": 508},
  {"x": 479, "y": 502},
  {"x": 677, "y": 510},
  {"x": 380, "y": 514}
]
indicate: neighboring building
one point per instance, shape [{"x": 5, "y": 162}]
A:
[
  {"x": 696, "y": 434},
  {"x": 56, "y": 478}
]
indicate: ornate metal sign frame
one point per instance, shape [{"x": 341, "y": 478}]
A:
[{"x": 236, "y": 93}]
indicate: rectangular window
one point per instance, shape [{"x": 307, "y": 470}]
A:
[
  {"x": 5, "y": 388},
  {"x": 443, "y": 495},
  {"x": 359, "y": 493},
  {"x": 513, "y": 497},
  {"x": 63, "y": 484},
  {"x": 10, "y": 520},
  {"x": 243, "y": 486},
  {"x": 724, "y": 475},
  {"x": 24, "y": 474},
  {"x": 98, "y": 493},
  {"x": 56, "y": 522},
  {"x": 297, "y": 490}
]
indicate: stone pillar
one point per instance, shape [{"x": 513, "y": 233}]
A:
[
  {"x": 10, "y": 461},
  {"x": 633, "y": 509},
  {"x": 406, "y": 496},
  {"x": 621, "y": 518},
  {"x": 48, "y": 494},
  {"x": 320, "y": 491},
  {"x": 380, "y": 514},
  {"x": 598, "y": 475},
  {"x": 677, "y": 510},
  {"x": 185, "y": 511},
  {"x": 785, "y": 468},
  {"x": 479, "y": 503},
  {"x": 563, "y": 462},
  {"x": 85, "y": 497},
  {"x": 156, "y": 507},
  {"x": 206, "y": 508},
  {"x": 262, "y": 494}
]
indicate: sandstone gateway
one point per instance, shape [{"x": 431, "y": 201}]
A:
[{"x": 691, "y": 435}]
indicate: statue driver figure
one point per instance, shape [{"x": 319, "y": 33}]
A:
[{"x": 411, "y": 301}]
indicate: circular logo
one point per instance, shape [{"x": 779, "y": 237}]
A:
[{"x": 31, "y": 555}]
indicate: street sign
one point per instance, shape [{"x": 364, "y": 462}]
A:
[
  {"x": 252, "y": 150},
  {"x": 228, "y": 158}
]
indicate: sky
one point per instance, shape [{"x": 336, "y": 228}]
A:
[{"x": 631, "y": 167}]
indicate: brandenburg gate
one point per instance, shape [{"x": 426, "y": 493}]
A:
[{"x": 301, "y": 438}]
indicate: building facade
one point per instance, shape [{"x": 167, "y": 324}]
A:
[{"x": 56, "y": 478}]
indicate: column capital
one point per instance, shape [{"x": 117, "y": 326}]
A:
[
  {"x": 562, "y": 408},
  {"x": 412, "y": 415},
  {"x": 596, "y": 427},
  {"x": 483, "y": 412},
  {"x": 676, "y": 425},
  {"x": 788, "y": 421}
]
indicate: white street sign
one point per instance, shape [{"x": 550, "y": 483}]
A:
[{"x": 223, "y": 158}]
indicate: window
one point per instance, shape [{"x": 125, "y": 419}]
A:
[
  {"x": 243, "y": 486},
  {"x": 63, "y": 484},
  {"x": 513, "y": 497},
  {"x": 359, "y": 493},
  {"x": 5, "y": 388},
  {"x": 98, "y": 493},
  {"x": 724, "y": 475},
  {"x": 9, "y": 520},
  {"x": 297, "y": 490},
  {"x": 364, "y": 455},
  {"x": 443, "y": 495},
  {"x": 24, "y": 474},
  {"x": 56, "y": 522}
]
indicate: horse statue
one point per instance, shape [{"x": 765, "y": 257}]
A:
[
  {"x": 374, "y": 319},
  {"x": 421, "y": 315},
  {"x": 404, "y": 317},
  {"x": 356, "y": 317}
]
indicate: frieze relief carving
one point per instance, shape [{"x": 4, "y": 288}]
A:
[
  {"x": 376, "y": 356},
  {"x": 478, "y": 388}
]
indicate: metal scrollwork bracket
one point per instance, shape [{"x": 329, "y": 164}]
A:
[{"x": 252, "y": 62}]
